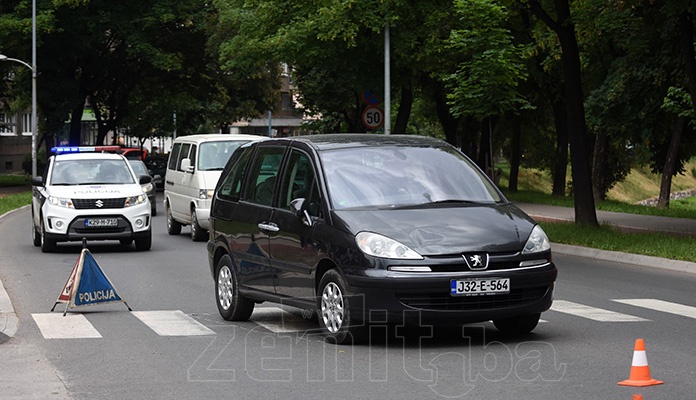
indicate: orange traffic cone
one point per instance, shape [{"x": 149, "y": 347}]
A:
[{"x": 640, "y": 372}]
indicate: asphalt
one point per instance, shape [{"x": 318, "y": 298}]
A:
[{"x": 626, "y": 222}]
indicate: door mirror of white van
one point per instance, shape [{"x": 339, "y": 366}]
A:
[{"x": 186, "y": 165}]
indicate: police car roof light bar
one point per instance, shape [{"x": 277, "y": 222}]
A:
[{"x": 83, "y": 149}]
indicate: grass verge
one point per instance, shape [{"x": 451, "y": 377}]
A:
[{"x": 14, "y": 201}]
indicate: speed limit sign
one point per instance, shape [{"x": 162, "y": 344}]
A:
[{"x": 373, "y": 117}]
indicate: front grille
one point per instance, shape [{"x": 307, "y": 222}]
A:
[
  {"x": 444, "y": 301},
  {"x": 99, "y": 204}
]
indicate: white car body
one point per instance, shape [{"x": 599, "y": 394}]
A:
[{"x": 83, "y": 207}]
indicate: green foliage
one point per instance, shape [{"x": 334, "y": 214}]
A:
[{"x": 14, "y": 201}]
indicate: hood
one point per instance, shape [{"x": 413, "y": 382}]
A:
[
  {"x": 96, "y": 191},
  {"x": 209, "y": 179},
  {"x": 445, "y": 229}
]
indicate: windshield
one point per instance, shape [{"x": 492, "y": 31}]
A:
[
  {"x": 139, "y": 168},
  {"x": 90, "y": 172},
  {"x": 403, "y": 176},
  {"x": 214, "y": 155}
]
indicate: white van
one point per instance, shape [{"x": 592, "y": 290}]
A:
[{"x": 194, "y": 167}]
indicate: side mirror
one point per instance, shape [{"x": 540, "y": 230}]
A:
[
  {"x": 37, "y": 181},
  {"x": 145, "y": 179},
  {"x": 297, "y": 206},
  {"x": 186, "y": 165}
]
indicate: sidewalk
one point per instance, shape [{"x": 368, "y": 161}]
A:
[{"x": 626, "y": 223}]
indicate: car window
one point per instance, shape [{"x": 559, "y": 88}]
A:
[
  {"x": 90, "y": 172},
  {"x": 183, "y": 153},
  {"x": 395, "y": 176},
  {"x": 231, "y": 186},
  {"x": 262, "y": 176},
  {"x": 174, "y": 156},
  {"x": 299, "y": 181},
  {"x": 139, "y": 168},
  {"x": 192, "y": 155},
  {"x": 214, "y": 155}
]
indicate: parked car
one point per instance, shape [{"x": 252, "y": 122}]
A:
[
  {"x": 148, "y": 188},
  {"x": 157, "y": 165},
  {"x": 358, "y": 227},
  {"x": 96, "y": 196},
  {"x": 194, "y": 167}
]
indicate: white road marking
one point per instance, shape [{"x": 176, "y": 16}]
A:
[
  {"x": 71, "y": 326},
  {"x": 660, "y": 305},
  {"x": 277, "y": 320},
  {"x": 172, "y": 323},
  {"x": 593, "y": 313}
]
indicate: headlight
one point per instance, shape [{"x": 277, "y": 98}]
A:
[
  {"x": 205, "y": 193},
  {"x": 383, "y": 247},
  {"x": 61, "y": 202},
  {"x": 537, "y": 242},
  {"x": 135, "y": 200}
]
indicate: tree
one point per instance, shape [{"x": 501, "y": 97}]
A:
[{"x": 564, "y": 28}]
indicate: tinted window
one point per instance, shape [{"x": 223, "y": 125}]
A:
[
  {"x": 262, "y": 176},
  {"x": 232, "y": 183},
  {"x": 393, "y": 176},
  {"x": 299, "y": 182},
  {"x": 192, "y": 155},
  {"x": 174, "y": 156}
]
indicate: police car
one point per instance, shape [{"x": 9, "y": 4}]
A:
[{"x": 86, "y": 193}]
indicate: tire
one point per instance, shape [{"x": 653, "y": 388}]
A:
[
  {"x": 153, "y": 210},
  {"x": 35, "y": 234},
  {"x": 517, "y": 326},
  {"x": 335, "y": 319},
  {"x": 231, "y": 305},
  {"x": 173, "y": 227},
  {"x": 145, "y": 243},
  {"x": 125, "y": 242},
  {"x": 47, "y": 245},
  {"x": 198, "y": 234}
]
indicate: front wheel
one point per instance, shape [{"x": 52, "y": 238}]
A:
[
  {"x": 47, "y": 245},
  {"x": 198, "y": 234},
  {"x": 230, "y": 303},
  {"x": 144, "y": 243},
  {"x": 35, "y": 234},
  {"x": 335, "y": 318},
  {"x": 173, "y": 227},
  {"x": 517, "y": 326}
]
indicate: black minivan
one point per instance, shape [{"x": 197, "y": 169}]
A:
[{"x": 364, "y": 228}]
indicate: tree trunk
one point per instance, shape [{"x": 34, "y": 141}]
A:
[
  {"x": 404, "y": 109},
  {"x": 560, "y": 164},
  {"x": 670, "y": 163},
  {"x": 598, "y": 166},
  {"x": 76, "y": 125},
  {"x": 516, "y": 153},
  {"x": 448, "y": 122},
  {"x": 585, "y": 213}
]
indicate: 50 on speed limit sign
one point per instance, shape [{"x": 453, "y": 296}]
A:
[{"x": 373, "y": 117}]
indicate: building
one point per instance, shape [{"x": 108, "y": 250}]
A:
[{"x": 15, "y": 140}]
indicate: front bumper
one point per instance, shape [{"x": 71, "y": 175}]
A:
[
  {"x": 65, "y": 224},
  {"x": 425, "y": 297}
]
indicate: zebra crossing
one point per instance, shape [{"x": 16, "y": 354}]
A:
[{"x": 274, "y": 319}]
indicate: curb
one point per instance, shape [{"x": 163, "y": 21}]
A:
[{"x": 626, "y": 258}]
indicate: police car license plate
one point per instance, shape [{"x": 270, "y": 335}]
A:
[
  {"x": 100, "y": 222},
  {"x": 474, "y": 287}
]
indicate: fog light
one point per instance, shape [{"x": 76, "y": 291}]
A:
[
  {"x": 59, "y": 224},
  {"x": 139, "y": 223}
]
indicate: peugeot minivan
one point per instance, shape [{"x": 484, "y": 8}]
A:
[{"x": 194, "y": 166}]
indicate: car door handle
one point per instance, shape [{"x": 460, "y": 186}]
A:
[{"x": 268, "y": 226}]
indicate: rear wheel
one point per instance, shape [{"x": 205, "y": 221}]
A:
[
  {"x": 230, "y": 303},
  {"x": 173, "y": 227},
  {"x": 198, "y": 234},
  {"x": 144, "y": 243},
  {"x": 335, "y": 318},
  {"x": 516, "y": 326}
]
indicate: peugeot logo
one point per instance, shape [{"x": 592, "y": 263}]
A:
[
  {"x": 476, "y": 261},
  {"x": 99, "y": 203}
]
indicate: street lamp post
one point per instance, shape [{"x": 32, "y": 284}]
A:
[{"x": 34, "y": 126}]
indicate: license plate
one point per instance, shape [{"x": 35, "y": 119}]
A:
[
  {"x": 100, "y": 222},
  {"x": 474, "y": 287}
]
